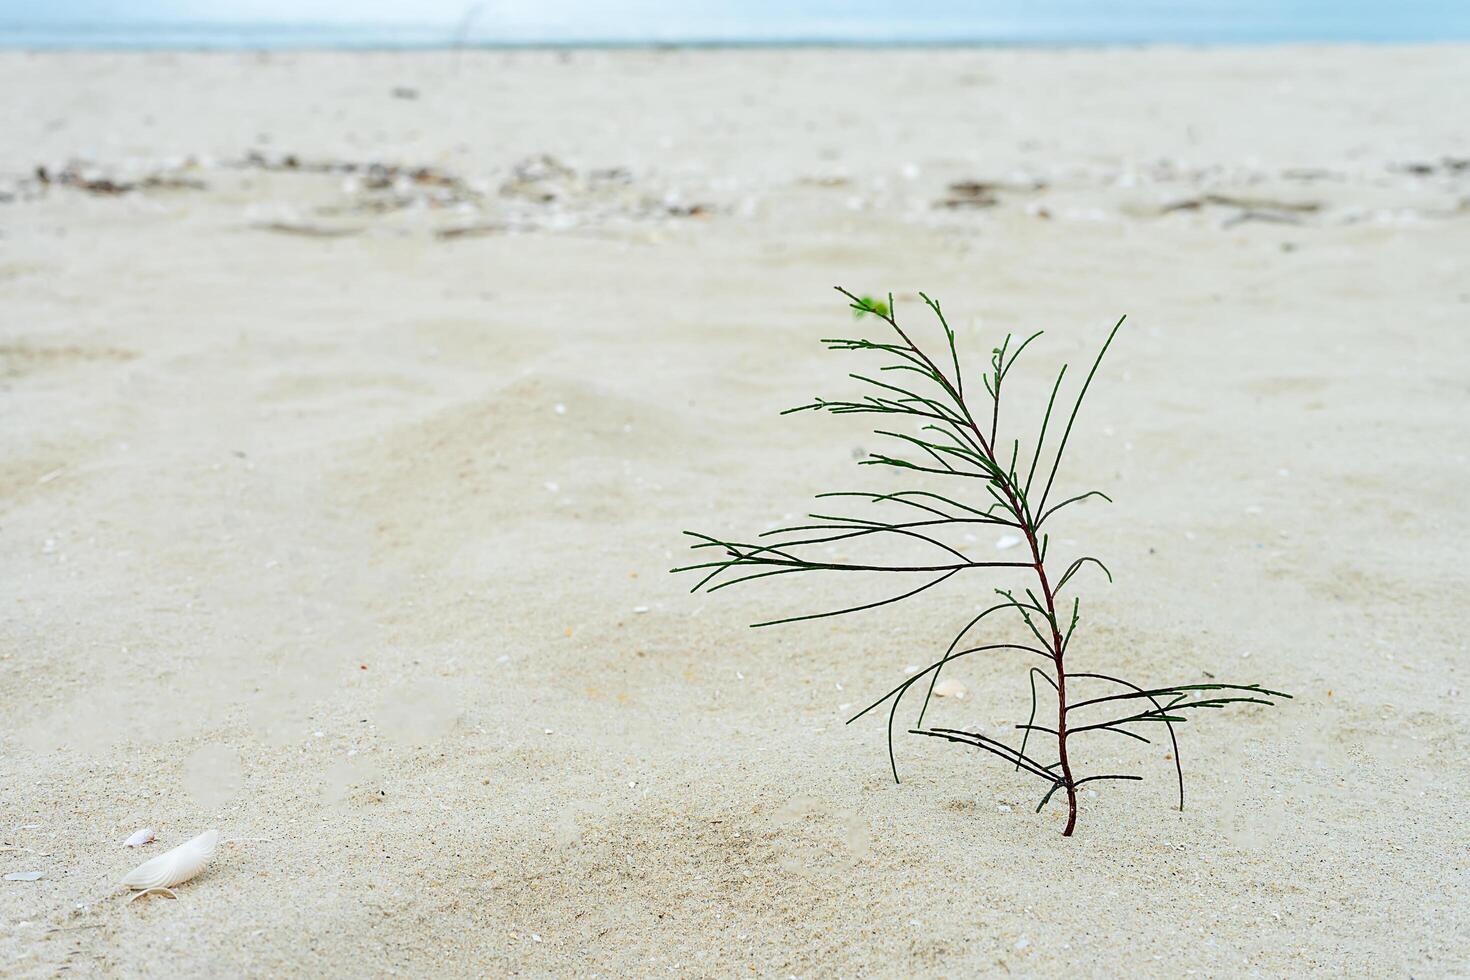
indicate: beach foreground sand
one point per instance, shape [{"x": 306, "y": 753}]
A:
[{"x": 336, "y": 502}]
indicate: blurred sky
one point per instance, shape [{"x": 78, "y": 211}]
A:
[{"x": 1080, "y": 21}]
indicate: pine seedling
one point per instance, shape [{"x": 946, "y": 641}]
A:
[{"x": 956, "y": 440}]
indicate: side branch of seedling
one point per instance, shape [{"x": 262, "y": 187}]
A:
[{"x": 952, "y": 439}]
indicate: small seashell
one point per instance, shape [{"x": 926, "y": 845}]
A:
[
  {"x": 25, "y": 876},
  {"x": 949, "y": 688},
  {"x": 141, "y": 837},
  {"x": 173, "y": 867}
]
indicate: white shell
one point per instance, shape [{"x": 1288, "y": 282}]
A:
[
  {"x": 176, "y": 866},
  {"x": 140, "y": 837},
  {"x": 950, "y": 689}
]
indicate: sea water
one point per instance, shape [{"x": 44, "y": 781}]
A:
[{"x": 339, "y": 24}]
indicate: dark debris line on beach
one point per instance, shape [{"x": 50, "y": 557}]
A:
[{"x": 542, "y": 193}]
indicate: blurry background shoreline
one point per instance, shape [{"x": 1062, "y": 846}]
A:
[{"x": 370, "y": 25}]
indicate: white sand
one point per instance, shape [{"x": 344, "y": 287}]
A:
[{"x": 297, "y": 544}]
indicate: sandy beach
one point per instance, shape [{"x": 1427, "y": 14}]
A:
[{"x": 352, "y": 407}]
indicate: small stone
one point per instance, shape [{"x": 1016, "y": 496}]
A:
[{"x": 949, "y": 688}]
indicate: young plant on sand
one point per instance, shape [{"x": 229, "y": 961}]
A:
[{"x": 1010, "y": 487}]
